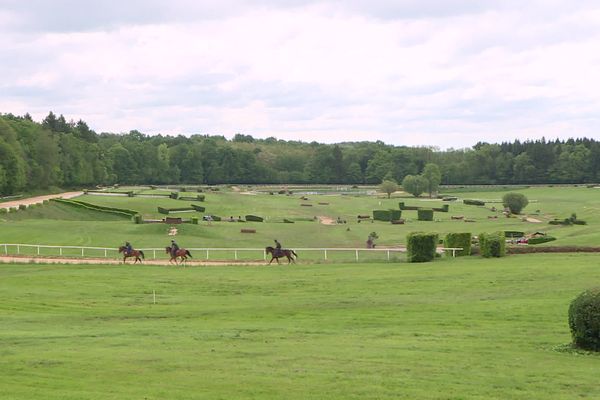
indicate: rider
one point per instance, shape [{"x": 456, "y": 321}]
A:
[
  {"x": 174, "y": 248},
  {"x": 277, "y": 247},
  {"x": 128, "y": 248}
]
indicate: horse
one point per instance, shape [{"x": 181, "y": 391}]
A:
[
  {"x": 183, "y": 253},
  {"x": 134, "y": 253},
  {"x": 276, "y": 253}
]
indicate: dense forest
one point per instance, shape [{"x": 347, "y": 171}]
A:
[{"x": 61, "y": 153}]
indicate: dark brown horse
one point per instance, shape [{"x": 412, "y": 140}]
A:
[
  {"x": 134, "y": 253},
  {"x": 277, "y": 253},
  {"x": 182, "y": 253}
]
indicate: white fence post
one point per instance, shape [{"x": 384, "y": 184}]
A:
[
  {"x": 325, "y": 253},
  {"x": 235, "y": 254},
  {"x": 154, "y": 254},
  {"x": 356, "y": 255},
  {"x": 207, "y": 254},
  {"x": 38, "y": 250},
  {"x": 388, "y": 254},
  {"x": 18, "y": 249}
]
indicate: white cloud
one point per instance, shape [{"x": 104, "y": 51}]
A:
[{"x": 417, "y": 73}]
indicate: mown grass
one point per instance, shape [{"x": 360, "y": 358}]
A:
[{"x": 453, "y": 329}]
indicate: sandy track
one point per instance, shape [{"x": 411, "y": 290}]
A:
[
  {"x": 39, "y": 199},
  {"x": 113, "y": 261}
]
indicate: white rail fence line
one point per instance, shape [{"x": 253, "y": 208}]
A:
[{"x": 113, "y": 252}]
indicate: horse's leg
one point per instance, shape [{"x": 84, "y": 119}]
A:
[{"x": 272, "y": 258}]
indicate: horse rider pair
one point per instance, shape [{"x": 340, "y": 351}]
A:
[{"x": 174, "y": 248}]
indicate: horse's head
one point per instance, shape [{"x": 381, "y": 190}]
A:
[
  {"x": 269, "y": 249},
  {"x": 121, "y": 249},
  {"x": 168, "y": 249}
]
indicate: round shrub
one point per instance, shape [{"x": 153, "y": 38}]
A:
[
  {"x": 515, "y": 202},
  {"x": 421, "y": 246},
  {"x": 584, "y": 320}
]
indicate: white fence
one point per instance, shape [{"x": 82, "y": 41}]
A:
[{"x": 214, "y": 254}]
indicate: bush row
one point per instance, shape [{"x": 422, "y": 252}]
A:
[
  {"x": 471, "y": 202},
  {"x": 458, "y": 240},
  {"x": 94, "y": 207}
]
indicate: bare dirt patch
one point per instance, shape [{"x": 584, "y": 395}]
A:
[
  {"x": 112, "y": 261},
  {"x": 326, "y": 220},
  {"x": 534, "y": 220}
]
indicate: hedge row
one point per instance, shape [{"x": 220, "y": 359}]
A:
[
  {"x": 403, "y": 206},
  {"x": 541, "y": 239},
  {"x": 458, "y": 240},
  {"x": 199, "y": 197},
  {"x": 492, "y": 244},
  {"x": 514, "y": 234},
  {"x": 387, "y": 215},
  {"x": 94, "y": 207},
  {"x": 254, "y": 218},
  {"x": 421, "y": 246},
  {"x": 471, "y": 202},
  {"x": 192, "y": 207},
  {"x": 425, "y": 214}
]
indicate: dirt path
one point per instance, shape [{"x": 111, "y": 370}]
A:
[
  {"x": 39, "y": 199},
  {"x": 326, "y": 220},
  {"x": 113, "y": 261}
]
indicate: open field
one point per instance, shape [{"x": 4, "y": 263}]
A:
[
  {"x": 453, "y": 329},
  {"x": 61, "y": 225}
]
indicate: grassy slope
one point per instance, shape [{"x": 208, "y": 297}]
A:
[
  {"x": 454, "y": 329},
  {"x": 552, "y": 202}
]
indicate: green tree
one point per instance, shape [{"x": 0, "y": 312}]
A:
[
  {"x": 388, "y": 187},
  {"x": 414, "y": 184},
  {"x": 433, "y": 176},
  {"x": 515, "y": 202}
]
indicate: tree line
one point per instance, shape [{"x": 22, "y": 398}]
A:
[{"x": 60, "y": 153}]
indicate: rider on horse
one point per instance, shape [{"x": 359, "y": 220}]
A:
[
  {"x": 278, "y": 248},
  {"x": 174, "y": 248},
  {"x": 128, "y": 248}
]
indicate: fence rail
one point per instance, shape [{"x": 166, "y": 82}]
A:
[{"x": 208, "y": 253}]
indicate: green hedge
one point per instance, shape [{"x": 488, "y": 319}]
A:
[
  {"x": 198, "y": 208},
  {"x": 403, "y": 206},
  {"x": 425, "y": 214},
  {"x": 3, "y": 211},
  {"x": 459, "y": 240},
  {"x": 288, "y": 221},
  {"x": 421, "y": 246},
  {"x": 395, "y": 215},
  {"x": 138, "y": 219},
  {"x": 541, "y": 239},
  {"x": 22, "y": 207},
  {"x": 95, "y": 207},
  {"x": 443, "y": 208},
  {"x": 471, "y": 202},
  {"x": 492, "y": 244},
  {"x": 382, "y": 215},
  {"x": 194, "y": 220},
  {"x": 584, "y": 320},
  {"x": 254, "y": 218},
  {"x": 174, "y": 195},
  {"x": 175, "y": 209}
]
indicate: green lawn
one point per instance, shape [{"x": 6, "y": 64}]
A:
[{"x": 452, "y": 329}]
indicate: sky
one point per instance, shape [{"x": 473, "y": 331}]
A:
[{"x": 446, "y": 73}]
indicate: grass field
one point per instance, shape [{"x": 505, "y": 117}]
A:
[
  {"x": 453, "y": 329},
  {"x": 56, "y": 225}
]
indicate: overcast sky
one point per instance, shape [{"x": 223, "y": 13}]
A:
[{"x": 445, "y": 73}]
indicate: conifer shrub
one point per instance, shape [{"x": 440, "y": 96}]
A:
[
  {"x": 584, "y": 320},
  {"x": 425, "y": 214},
  {"x": 492, "y": 244},
  {"x": 458, "y": 240},
  {"x": 421, "y": 246}
]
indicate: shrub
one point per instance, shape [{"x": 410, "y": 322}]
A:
[
  {"x": 138, "y": 219},
  {"x": 201, "y": 197},
  {"x": 541, "y": 239},
  {"x": 471, "y": 202},
  {"x": 288, "y": 221},
  {"x": 584, "y": 320},
  {"x": 198, "y": 208},
  {"x": 579, "y": 222},
  {"x": 174, "y": 195},
  {"x": 458, "y": 240},
  {"x": 449, "y": 198},
  {"x": 514, "y": 234},
  {"x": 130, "y": 194},
  {"x": 3, "y": 210},
  {"x": 22, "y": 207},
  {"x": 254, "y": 218},
  {"x": 425, "y": 214},
  {"x": 421, "y": 246},
  {"x": 443, "y": 208},
  {"x": 515, "y": 202},
  {"x": 163, "y": 210},
  {"x": 382, "y": 215},
  {"x": 194, "y": 220},
  {"x": 395, "y": 215},
  {"x": 492, "y": 244}
]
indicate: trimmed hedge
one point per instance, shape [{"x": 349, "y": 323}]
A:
[
  {"x": 254, "y": 218},
  {"x": 95, "y": 207},
  {"x": 421, "y": 246},
  {"x": 194, "y": 220},
  {"x": 403, "y": 206},
  {"x": 22, "y": 207},
  {"x": 395, "y": 215},
  {"x": 382, "y": 215},
  {"x": 471, "y": 202},
  {"x": 198, "y": 208},
  {"x": 288, "y": 221},
  {"x": 3, "y": 211},
  {"x": 541, "y": 239},
  {"x": 443, "y": 208},
  {"x": 138, "y": 219},
  {"x": 174, "y": 195},
  {"x": 199, "y": 197},
  {"x": 457, "y": 240},
  {"x": 492, "y": 244},
  {"x": 584, "y": 320},
  {"x": 425, "y": 214}
]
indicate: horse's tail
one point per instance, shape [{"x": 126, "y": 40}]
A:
[
  {"x": 187, "y": 252},
  {"x": 142, "y": 254},
  {"x": 294, "y": 253}
]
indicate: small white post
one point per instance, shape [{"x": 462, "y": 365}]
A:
[
  {"x": 356, "y": 255},
  {"x": 388, "y": 255},
  {"x": 154, "y": 296},
  {"x": 207, "y": 254},
  {"x": 38, "y": 250},
  {"x": 18, "y": 249},
  {"x": 265, "y": 255},
  {"x": 60, "y": 251},
  {"x": 82, "y": 252},
  {"x": 235, "y": 254},
  {"x": 325, "y": 254},
  {"x": 105, "y": 254},
  {"x": 5, "y": 249},
  {"x": 154, "y": 254}
]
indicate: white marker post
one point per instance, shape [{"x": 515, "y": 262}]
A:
[{"x": 154, "y": 296}]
